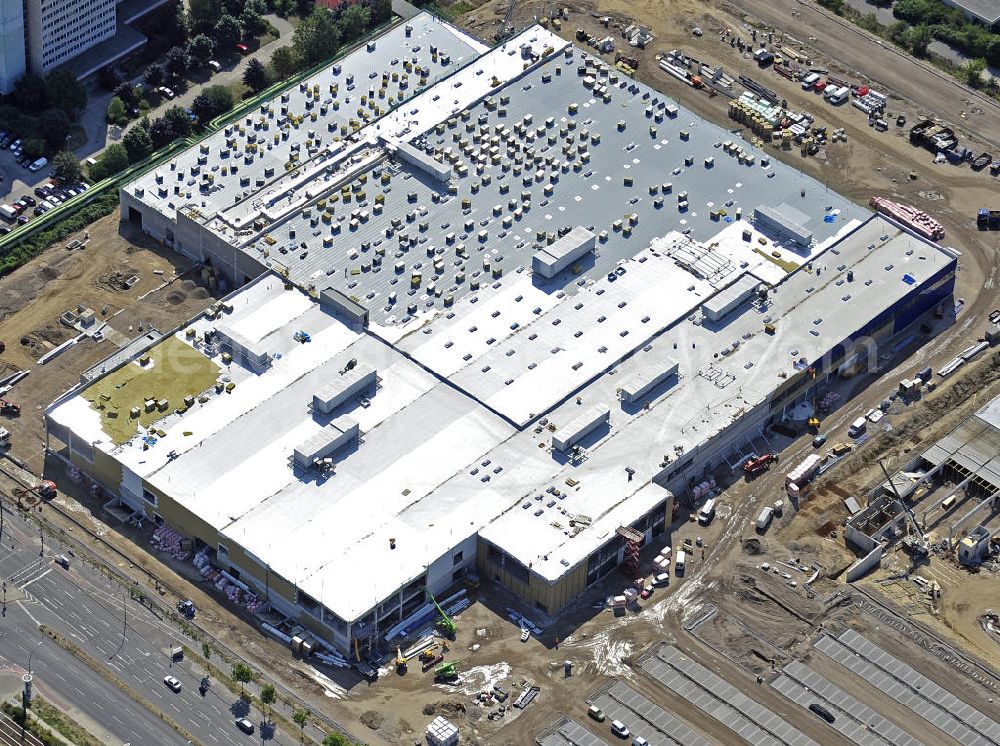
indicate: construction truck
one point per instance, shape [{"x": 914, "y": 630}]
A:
[
  {"x": 9, "y": 408},
  {"x": 45, "y": 489},
  {"x": 400, "y": 662},
  {"x": 447, "y": 672},
  {"x": 759, "y": 464},
  {"x": 988, "y": 220}
]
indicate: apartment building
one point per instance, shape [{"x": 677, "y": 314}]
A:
[{"x": 58, "y": 30}]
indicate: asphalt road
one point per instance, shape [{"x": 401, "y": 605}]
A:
[
  {"x": 86, "y": 608},
  {"x": 893, "y": 69}
]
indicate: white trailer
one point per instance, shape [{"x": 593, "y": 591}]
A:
[
  {"x": 558, "y": 255},
  {"x": 335, "y": 393},
  {"x": 327, "y": 441},
  {"x": 641, "y": 383},
  {"x": 579, "y": 427}
]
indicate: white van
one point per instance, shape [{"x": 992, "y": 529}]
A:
[
  {"x": 679, "y": 562},
  {"x": 39, "y": 164},
  {"x": 764, "y": 519},
  {"x": 809, "y": 81},
  {"x": 857, "y": 427},
  {"x": 707, "y": 512}
]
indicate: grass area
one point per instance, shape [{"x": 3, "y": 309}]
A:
[
  {"x": 174, "y": 371},
  {"x": 63, "y": 724},
  {"x": 30, "y": 725}
]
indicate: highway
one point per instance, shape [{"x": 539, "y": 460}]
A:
[{"x": 87, "y": 609}]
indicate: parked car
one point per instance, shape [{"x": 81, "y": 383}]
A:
[
  {"x": 646, "y": 592},
  {"x": 22, "y": 219},
  {"x": 822, "y": 712},
  {"x": 165, "y": 92},
  {"x": 172, "y": 683},
  {"x": 15, "y": 145},
  {"x": 596, "y": 713},
  {"x": 639, "y": 741},
  {"x": 819, "y": 440},
  {"x": 243, "y": 49},
  {"x": 245, "y": 725},
  {"x": 4, "y": 141},
  {"x": 42, "y": 192},
  {"x": 215, "y": 66},
  {"x": 28, "y": 200},
  {"x": 619, "y": 729}
]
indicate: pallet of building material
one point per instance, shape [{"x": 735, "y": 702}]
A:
[{"x": 525, "y": 698}]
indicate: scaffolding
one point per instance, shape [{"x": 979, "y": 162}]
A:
[{"x": 633, "y": 544}]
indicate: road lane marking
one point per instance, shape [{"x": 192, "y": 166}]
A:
[{"x": 30, "y": 615}]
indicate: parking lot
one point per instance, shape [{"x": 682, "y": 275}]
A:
[
  {"x": 28, "y": 182},
  {"x": 26, "y": 186}
]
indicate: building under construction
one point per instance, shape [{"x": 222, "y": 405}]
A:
[{"x": 490, "y": 310}]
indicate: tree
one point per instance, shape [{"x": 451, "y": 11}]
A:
[
  {"x": 116, "y": 113},
  {"x": 255, "y": 76},
  {"x": 242, "y": 674},
  {"x": 200, "y": 50},
  {"x": 301, "y": 718},
  {"x": 65, "y": 91},
  {"x": 109, "y": 77},
  {"x": 252, "y": 18},
  {"x": 127, "y": 93},
  {"x": 179, "y": 121},
  {"x": 177, "y": 62},
  {"x": 267, "y": 697},
  {"x": 53, "y": 127},
  {"x": 153, "y": 77},
  {"x": 31, "y": 93},
  {"x": 283, "y": 62},
  {"x": 920, "y": 39},
  {"x": 137, "y": 142},
  {"x": 227, "y": 33},
  {"x": 972, "y": 72},
  {"x": 112, "y": 160},
  {"x": 381, "y": 11},
  {"x": 316, "y": 38},
  {"x": 202, "y": 14},
  {"x": 211, "y": 102},
  {"x": 66, "y": 166},
  {"x": 353, "y": 22},
  {"x": 206, "y": 649},
  {"x": 33, "y": 148},
  {"x": 335, "y": 739},
  {"x": 161, "y": 133}
]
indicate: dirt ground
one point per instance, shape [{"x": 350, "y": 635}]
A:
[
  {"x": 725, "y": 573},
  {"x": 33, "y": 298}
]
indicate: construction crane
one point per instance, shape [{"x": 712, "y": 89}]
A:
[
  {"x": 918, "y": 547},
  {"x": 506, "y": 28},
  {"x": 445, "y": 624}
]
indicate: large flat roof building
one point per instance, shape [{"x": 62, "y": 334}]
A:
[{"x": 398, "y": 393}]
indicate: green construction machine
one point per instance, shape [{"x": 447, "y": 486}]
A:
[
  {"x": 445, "y": 624},
  {"x": 447, "y": 671}
]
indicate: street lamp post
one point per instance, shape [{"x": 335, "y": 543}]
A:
[{"x": 32, "y": 653}]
